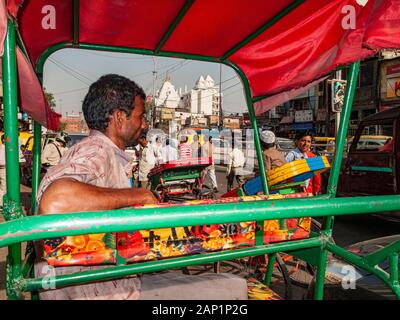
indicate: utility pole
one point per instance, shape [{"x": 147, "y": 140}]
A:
[
  {"x": 337, "y": 114},
  {"x": 220, "y": 120},
  {"x": 153, "y": 108}
]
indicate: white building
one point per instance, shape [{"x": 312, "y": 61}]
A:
[
  {"x": 167, "y": 97},
  {"x": 203, "y": 98}
]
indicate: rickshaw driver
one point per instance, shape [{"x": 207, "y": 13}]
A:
[{"x": 91, "y": 177}]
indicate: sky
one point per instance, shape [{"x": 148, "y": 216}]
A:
[{"x": 68, "y": 74}]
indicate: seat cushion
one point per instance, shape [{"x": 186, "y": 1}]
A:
[{"x": 207, "y": 286}]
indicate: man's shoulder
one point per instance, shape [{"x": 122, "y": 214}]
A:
[{"x": 92, "y": 146}]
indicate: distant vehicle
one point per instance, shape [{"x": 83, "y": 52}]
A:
[
  {"x": 75, "y": 138},
  {"x": 323, "y": 145},
  {"x": 366, "y": 285},
  {"x": 372, "y": 166},
  {"x": 285, "y": 145}
]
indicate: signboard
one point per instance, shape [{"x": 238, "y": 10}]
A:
[
  {"x": 303, "y": 116},
  {"x": 393, "y": 81},
  {"x": 338, "y": 89}
]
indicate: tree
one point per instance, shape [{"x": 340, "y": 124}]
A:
[{"x": 50, "y": 99}]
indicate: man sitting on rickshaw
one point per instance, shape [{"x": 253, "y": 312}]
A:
[{"x": 91, "y": 176}]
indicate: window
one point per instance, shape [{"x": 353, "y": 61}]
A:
[{"x": 376, "y": 138}]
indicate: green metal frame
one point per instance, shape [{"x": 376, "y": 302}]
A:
[{"x": 19, "y": 229}]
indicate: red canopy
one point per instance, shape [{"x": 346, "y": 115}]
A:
[{"x": 281, "y": 46}]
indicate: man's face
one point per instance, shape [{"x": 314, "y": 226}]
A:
[
  {"x": 135, "y": 124},
  {"x": 304, "y": 143},
  {"x": 143, "y": 142}
]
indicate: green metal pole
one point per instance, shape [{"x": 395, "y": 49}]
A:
[
  {"x": 341, "y": 137},
  {"x": 36, "y": 166},
  {"x": 320, "y": 279},
  {"x": 257, "y": 143},
  {"x": 394, "y": 272},
  {"x": 287, "y": 10},
  {"x": 166, "y": 264},
  {"x": 334, "y": 176},
  {"x": 175, "y": 23},
  {"x": 361, "y": 262},
  {"x": 270, "y": 269},
  {"x": 10, "y": 96},
  {"x": 56, "y": 225}
]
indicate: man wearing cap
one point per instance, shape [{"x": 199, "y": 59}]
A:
[
  {"x": 272, "y": 157},
  {"x": 54, "y": 150}
]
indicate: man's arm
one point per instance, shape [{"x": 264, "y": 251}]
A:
[{"x": 69, "y": 195}]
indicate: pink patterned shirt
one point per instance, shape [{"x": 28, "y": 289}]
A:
[{"x": 96, "y": 160}]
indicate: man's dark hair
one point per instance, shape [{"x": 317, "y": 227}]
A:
[
  {"x": 109, "y": 93},
  {"x": 302, "y": 134}
]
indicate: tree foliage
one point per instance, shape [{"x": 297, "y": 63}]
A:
[{"x": 50, "y": 99}]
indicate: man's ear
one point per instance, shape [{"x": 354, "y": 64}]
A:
[{"x": 118, "y": 117}]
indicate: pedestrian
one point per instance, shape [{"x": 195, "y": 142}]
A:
[
  {"x": 207, "y": 150},
  {"x": 147, "y": 161},
  {"x": 272, "y": 157},
  {"x": 54, "y": 151},
  {"x": 157, "y": 145},
  {"x": 185, "y": 151},
  {"x": 303, "y": 141},
  {"x": 169, "y": 151},
  {"x": 236, "y": 163}
]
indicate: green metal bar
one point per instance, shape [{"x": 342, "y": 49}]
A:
[
  {"x": 394, "y": 270},
  {"x": 270, "y": 269},
  {"x": 88, "y": 46},
  {"x": 361, "y": 263},
  {"x": 380, "y": 255},
  {"x": 165, "y": 264},
  {"x": 57, "y": 225},
  {"x": 171, "y": 29},
  {"x": 267, "y": 25},
  {"x": 341, "y": 138},
  {"x": 344, "y": 124},
  {"x": 257, "y": 143},
  {"x": 76, "y": 21},
  {"x": 320, "y": 278},
  {"x": 253, "y": 120},
  {"x": 372, "y": 169},
  {"x": 10, "y": 96},
  {"x": 36, "y": 166}
]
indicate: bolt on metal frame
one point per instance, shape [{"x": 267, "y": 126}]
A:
[{"x": 19, "y": 229}]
